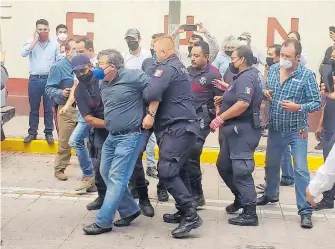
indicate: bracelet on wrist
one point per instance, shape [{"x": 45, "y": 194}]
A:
[{"x": 151, "y": 113}]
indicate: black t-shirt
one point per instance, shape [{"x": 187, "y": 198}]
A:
[
  {"x": 88, "y": 98},
  {"x": 329, "y": 116},
  {"x": 245, "y": 87},
  {"x": 203, "y": 90}
]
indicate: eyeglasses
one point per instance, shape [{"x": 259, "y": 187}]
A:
[{"x": 102, "y": 63}]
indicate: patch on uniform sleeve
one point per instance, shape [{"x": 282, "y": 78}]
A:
[
  {"x": 158, "y": 73},
  {"x": 248, "y": 90}
]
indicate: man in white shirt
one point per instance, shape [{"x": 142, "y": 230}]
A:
[
  {"x": 324, "y": 178},
  {"x": 134, "y": 58}
]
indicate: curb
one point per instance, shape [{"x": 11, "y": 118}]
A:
[{"x": 208, "y": 155}]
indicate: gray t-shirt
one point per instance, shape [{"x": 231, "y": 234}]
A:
[{"x": 123, "y": 100}]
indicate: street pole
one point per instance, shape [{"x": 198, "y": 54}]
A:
[{"x": 174, "y": 18}]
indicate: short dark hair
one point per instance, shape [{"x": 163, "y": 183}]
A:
[
  {"x": 114, "y": 57},
  {"x": 277, "y": 48},
  {"x": 88, "y": 42},
  {"x": 195, "y": 36},
  {"x": 297, "y": 46},
  {"x": 154, "y": 36},
  {"x": 42, "y": 21},
  {"x": 246, "y": 53},
  {"x": 61, "y": 26},
  {"x": 296, "y": 34},
  {"x": 203, "y": 45}
]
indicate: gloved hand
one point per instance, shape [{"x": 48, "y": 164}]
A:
[{"x": 217, "y": 122}]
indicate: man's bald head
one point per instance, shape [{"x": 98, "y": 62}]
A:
[{"x": 164, "y": 47}]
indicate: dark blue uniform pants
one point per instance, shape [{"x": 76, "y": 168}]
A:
[
  {"x": 327, "y": 143},
  {"x": 175, "y": 145},
  {"x": 36, "y": 90},
  {"x": 97, "y": 138},
  {"x": 193, "y": 164},
  {"x": 236, "y": 163}
]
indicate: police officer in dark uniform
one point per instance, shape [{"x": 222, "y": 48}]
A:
[
  {"x": 138, "y": 178},
  {"x": 87, "y": 96},
  {"x": 170, "y": 96},
  {"x": 240, "y": 121},
  {"x": 201, "y": 75}
]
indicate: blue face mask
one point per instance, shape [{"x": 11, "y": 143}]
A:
[
  {"x": 154, "y": 58},
  {"x": 99, "y": 73}
]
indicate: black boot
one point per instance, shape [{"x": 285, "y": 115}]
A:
[
  {"x": 325, "y": 203},
  {"x": 190, "y": 220},
  {"x": 96, "y": 204},
  {"x": 247, "y": 218},
  {"x": 124, "y": 222},
  {"x": 234, "y": 207},
  {"x": 198, "y": 194},
  {"x": 173, "y": 218},
  {"x": 162, "y": 195},
  {"x": 144, "y": 202},
  {"x": 199, "y": 201}
]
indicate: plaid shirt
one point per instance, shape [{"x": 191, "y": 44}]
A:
[{"x": 301, "y": 88}]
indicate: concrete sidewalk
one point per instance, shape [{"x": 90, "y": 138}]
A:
[
  {"x": 40, "y": 212},
  {"x": 18, "y": 128}
]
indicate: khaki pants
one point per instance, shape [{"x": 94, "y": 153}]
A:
[{"x": 66, "y": 125}]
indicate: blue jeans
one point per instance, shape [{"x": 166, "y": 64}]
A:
[
  {"x": 36, "y": 91},
  {"x": 276, "y": 145},
  {"x": 150, "y": 151},
  {"x": 76, "y": 141},
  {"x": 119, "y": 155},
  {"x": 286, "y": 167}
]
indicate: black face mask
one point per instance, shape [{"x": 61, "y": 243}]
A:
[
  {"x": 152, "y": 51},
  {"x": 269, "y": 61},
  {"x": 232, "y": 68},
  {"x": 133, "y": 45},
  {"x": 85, "y": 78},
  {"x": 333, "y": 65},
  {"x": 189, "y": 48},
  {"x": 229, "y": 53}
]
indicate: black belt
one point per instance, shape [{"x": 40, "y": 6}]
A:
[
  {"x": 40, "y": 76},
  {"x": 125, "y": 132}
]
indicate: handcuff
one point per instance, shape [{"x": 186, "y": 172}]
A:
[{"x": 151, "y": 113}]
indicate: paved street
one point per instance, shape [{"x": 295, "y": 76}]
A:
[{"x": 40, "y": 212}]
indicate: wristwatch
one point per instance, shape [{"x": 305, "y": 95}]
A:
[{"x": 151, "y": 113}]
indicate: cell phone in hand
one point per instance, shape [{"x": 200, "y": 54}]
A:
[
  {"x": 189, "y": 27},
  {"x": 332, "y": 29}
]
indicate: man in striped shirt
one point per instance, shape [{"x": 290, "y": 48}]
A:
[{"x": 293, "y": 92}]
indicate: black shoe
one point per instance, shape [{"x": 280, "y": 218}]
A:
[
  {"x": 124, "y": 222},
  {"x": 162, "y": 195},
  {"x": 95, "y": 205},
  {"x": 94, "y": 229},
  {"x": 325, "y": 203},
  {"x": 306, "y": 221},
  {"x": 263, "y": 200},
  {"x": 247, "y": 218},
  {"x": 146, "y": 208},
  {"x": 191, "y": 220},
  {"x": 152, "y": 172},
  {"x": 199, "y": 201},
  {"x": 29, "y": 138},
  {"x": 173, "y": 218},
  {"x": 234, "y": 207},
  {"x": 50, "y": 139},
  {"x": 284, "y": 183}
]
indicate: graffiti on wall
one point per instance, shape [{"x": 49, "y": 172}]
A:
[{"x": 273, "y": 26}]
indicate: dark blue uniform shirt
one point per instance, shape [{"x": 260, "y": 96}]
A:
[
  {"x": 245, "y": 87},
  {"x": 329, "y": 116},
  {"x": 202, "y": 87},
  {"x": 123, "y": 100},
  {"x": 148, "y": 66},
  {"x": 171, "y": 87},
  {"x": 88, "y": 98}
]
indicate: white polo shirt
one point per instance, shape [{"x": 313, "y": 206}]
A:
[{"x": 135, "y": 61}]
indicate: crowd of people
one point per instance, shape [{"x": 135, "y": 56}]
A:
[{"x": 122, "y": 103}]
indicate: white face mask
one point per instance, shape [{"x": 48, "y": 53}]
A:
[
  {"x": 62, "y": 37},
  {"x": 286, "y": 64},
  {"x": 243, "y": 43}
]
